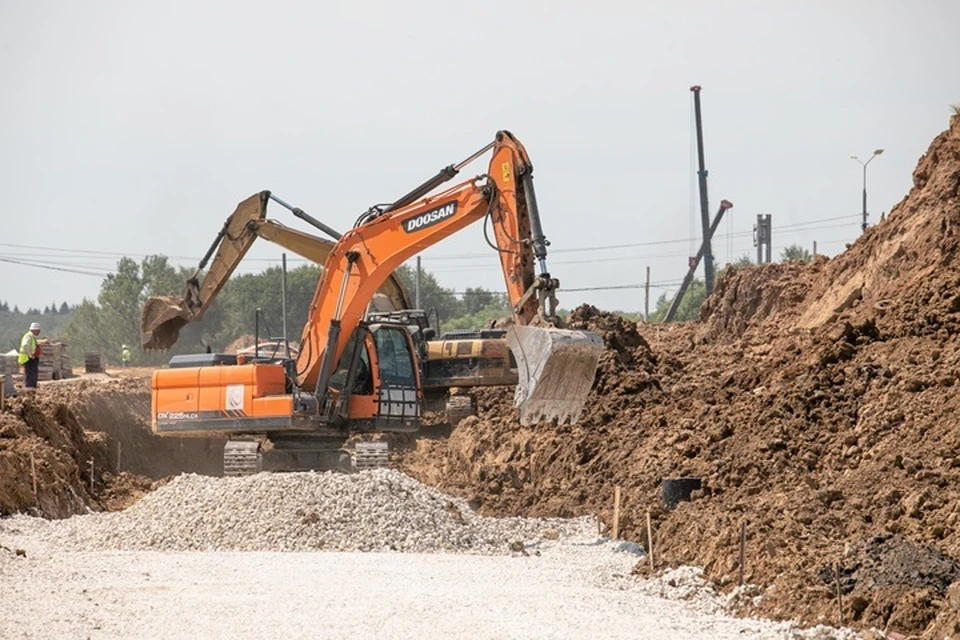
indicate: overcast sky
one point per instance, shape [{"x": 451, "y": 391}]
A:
[{"x": 135, "y": 127}]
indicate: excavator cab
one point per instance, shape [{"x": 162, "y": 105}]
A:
[{"x": 376, "y": 385}]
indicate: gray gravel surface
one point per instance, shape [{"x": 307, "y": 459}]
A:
[
  {"x": 154, "y": 570},
  {"x": 378, "y": 510}
]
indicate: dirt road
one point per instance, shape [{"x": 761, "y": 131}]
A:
[{"x": 568, "y": 591}]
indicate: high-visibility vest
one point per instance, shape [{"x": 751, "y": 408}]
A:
[
  {"x": 28, "y": 347},
  {"x": 125, "y": 355}
]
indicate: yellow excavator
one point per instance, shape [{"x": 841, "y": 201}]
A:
[{"x": 357, "y": 371}]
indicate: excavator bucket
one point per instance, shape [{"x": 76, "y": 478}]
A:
[
  {"x": 556, "y": 368},
  {"x": 161, "y": 321}
]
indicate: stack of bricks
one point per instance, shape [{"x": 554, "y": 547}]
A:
[
  {"x": 10, "y": 367},
  {"x": 92, "y": 363},
  {"x": 54, "y": 361}
]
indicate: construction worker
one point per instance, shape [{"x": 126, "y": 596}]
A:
[
  {"x": 124, "y": 356},
  {"x": 29, "y": 357}
]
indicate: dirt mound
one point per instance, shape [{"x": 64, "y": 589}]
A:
[
  {"x": 874, "y": 573},
  {"x": 816, "y": 403},
  {"x": 746, "y": 298},
  {"x": 54, "y": 435},
  {"x": 245, "y": 344},
  {"x": 242, "y": 342}
]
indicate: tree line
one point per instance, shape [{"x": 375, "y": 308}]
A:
[
  {"x": 14, "y": 322},
  {"x": 103, "y": 324}
]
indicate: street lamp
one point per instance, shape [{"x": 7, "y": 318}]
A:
[{"x": 864, "y": 165}]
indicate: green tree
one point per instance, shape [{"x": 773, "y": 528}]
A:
[
  {"x": 13, "y": 324},
  {"x": 432, "y": 294},
  {"x": 477, "y": 298},
  {"x": 496, "y": 307},
  {"x": 742, "y": 262},
  {"x": 159, "y": 278},
  {"x": 689, "y": 308},
  {"x": 795, "y": 252},
  {"x": 233, "y": 314},
  {"x": 113, "y": 318}
]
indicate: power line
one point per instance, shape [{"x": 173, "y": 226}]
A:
[
  {"x": 52, "y": 268},
  {"x": 650, "y": 243},
  {"x": 610, "y": 247},
  {"x": 462, "y": 268},
  {"x": 71, "y": 260}
]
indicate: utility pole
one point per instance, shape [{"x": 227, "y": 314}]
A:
[
  {"x": 416, "y": 294},
  {"x": 695, "y": 261},
  {"x": 283, "y": 305},
  {"x": 864, "y": 165},
  {"x": 646, "y": 298},
  {"x": 704, "y": 205},
  {"x": 762, "y": 238},
  {"x": 814, "y": 249}
]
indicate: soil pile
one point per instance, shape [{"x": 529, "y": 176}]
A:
[
  {"x": 816, "y": 403},
  {"x": 54, "y": 434}
]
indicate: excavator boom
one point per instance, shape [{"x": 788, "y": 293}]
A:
[
  {"x": 556, "y": 366},
  {"x": 164, "y": 316}
]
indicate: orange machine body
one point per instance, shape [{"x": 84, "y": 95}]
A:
[
  {"x": 232, "y": 399},
  {"x": 344, "y": 375},
  {"x": 197, "y": 400}
]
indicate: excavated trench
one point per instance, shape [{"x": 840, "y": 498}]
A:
[{"x": 85, "y": 444}]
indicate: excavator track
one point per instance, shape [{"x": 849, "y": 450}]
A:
[{"x": 242, "y": 458}]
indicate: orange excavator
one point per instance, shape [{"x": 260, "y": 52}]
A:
[{"x": 360, "y": 371}]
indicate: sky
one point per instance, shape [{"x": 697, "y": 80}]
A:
[{"x": 135, "y": 128}]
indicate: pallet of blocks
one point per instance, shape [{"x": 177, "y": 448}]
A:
[
  {"x": 54, "y": 361},
  {"x": 10, "y": 366},
  {"x": 92, "y": 362}
]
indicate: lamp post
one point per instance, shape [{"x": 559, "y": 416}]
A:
[{"x": 864, "y": 165}]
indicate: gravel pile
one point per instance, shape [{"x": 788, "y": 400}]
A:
[{"x": 378, "y": 510}]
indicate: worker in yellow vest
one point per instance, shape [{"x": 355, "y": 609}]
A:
[
  {"x": 29, "y": 357},
  {"x": 124, "y": 356}
]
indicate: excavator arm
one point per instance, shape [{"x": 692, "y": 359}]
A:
[
  {"x": 556, "y": 366},
  {"x": 164, "y": 316}
]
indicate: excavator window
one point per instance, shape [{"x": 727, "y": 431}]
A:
[
  {"x": 396, "y": 361},
  {"x": 363, "y": 379},
  {"x": 364, "y": 383}
]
